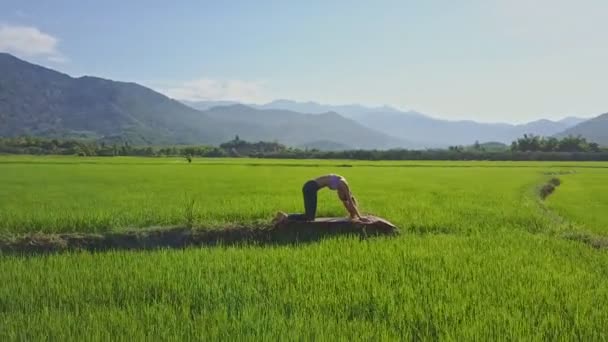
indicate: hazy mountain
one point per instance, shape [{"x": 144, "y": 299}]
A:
[
  {"x": 298, "y": 129},
  {"x": 546, "y": 127},
  {"x": 437, "y": 132},
  {"x": 572, "y": 121},
  {"x": 434, "y": 132},
  {"x": 349, "y": 111},
  {"x": 425, "y": 130},
  {"x": 205, "y": 105},
  {"x": 38, "y": 101},
  {"x": 595, "y": 130}
]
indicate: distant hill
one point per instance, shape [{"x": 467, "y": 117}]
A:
[
  {"x": 349, "y": 111},
  {"x": 572, "y": 121},
  {"x": 595, "y": 130},
  {"x": 206, "y": 105},
  {"x": 434, "y": 132},
  {"x": 422, "y": 130},
  {"x": 42, "y": 102},
  {"x": 543, "y": 127},
  {"x": 296, "y": 129}
]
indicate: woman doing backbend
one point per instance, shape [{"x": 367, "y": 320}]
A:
[{"x": 310, "y": 189}]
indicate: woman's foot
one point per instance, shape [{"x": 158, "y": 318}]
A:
[{"x": 280, "y": 217}]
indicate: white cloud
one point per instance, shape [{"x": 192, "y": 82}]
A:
[
  {"x": 28, "y": 41},
  {"x": 204, "y": 89}
]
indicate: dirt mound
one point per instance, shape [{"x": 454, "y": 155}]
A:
[
  {"x": 548, "y": 188},
  {"x": 180, "y": 237},
  {"x": 333, "y": 226}
]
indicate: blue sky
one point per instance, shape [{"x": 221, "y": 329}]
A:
[{"x": 511, "y": 60}]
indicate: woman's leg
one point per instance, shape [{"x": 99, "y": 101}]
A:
[
  {"x": 310, "y": 204},
  {"x": 309, "y": 192}
]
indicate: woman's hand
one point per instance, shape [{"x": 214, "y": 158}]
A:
[{"x": 359, "y": 219}]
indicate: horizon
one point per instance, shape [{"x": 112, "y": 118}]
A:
[{"x": 506, "y": 62}]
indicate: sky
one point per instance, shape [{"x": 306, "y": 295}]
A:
[{"x": 490, "y": 61}]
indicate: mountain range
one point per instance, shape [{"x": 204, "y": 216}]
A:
[
  {"x": 42, "y": 102},
  {"x": 595, "y": 129},
  {"x": 419, "y": 129},
  {"x": 299, "y": 129},
  {"x": 352, "y": 111}
]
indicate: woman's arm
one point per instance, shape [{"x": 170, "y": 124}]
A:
[
  {"x": 347, "y": 200},
  {"x": 352, "y": 209}
]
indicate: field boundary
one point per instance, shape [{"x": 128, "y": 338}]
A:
[
  {"x": 548, "y": 188},
  {"x": 182, "y": 237},
  {"x": 566, "y": 232},
  {"x": 592, "y": 240}
]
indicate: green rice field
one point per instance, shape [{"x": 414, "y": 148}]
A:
[{"x": 480, "y": 255}]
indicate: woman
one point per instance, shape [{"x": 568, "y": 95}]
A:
[{"x": 333, "y": 182}]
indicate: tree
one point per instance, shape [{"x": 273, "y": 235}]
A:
[
  {"x": 550, "y": 144},
  {"x": 531, "y": 143}
]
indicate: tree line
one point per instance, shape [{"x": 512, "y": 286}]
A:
[
  {"x": 527, "y": 148},
  {"x": 532, "y": 143},
  {"x": 43, "y": 146}
]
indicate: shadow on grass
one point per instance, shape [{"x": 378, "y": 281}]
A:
[{"x": 181, "y": 237}]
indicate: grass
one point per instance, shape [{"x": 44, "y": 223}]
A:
[
  {"x": 444, "y": 286},
  {"x": 70, "y": 196},
  {"x": 480, "y": 256},
  {"x": 583, "y": 199}
]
